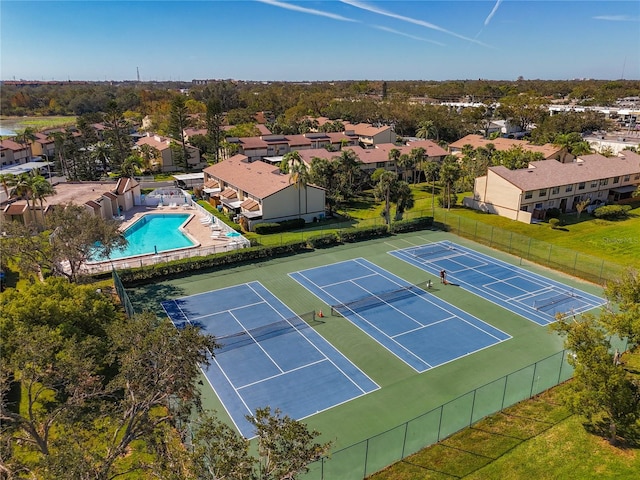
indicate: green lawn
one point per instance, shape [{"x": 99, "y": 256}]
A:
[
  {"x": 37, "y": 123},
  {"x": 536, "y": 439}
]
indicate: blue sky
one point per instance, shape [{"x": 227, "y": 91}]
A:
[{"x": 319, "y": 40}]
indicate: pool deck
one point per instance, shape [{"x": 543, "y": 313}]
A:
[{"x": 199, "y": 233}]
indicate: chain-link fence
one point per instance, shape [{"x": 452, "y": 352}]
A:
[
  {"x": 569, "y": 261},
  {"x": 122, "y": 294},
  {"x": 369, "y": 456}
]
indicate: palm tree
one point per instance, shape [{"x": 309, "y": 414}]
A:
[
  {"x": 431, "y": 172},
  {"x": 100, "y": 151},
  {"x": 418, "y": 156},
  {"x": 384, "y": 190},
  {"x": 130, "y": 166},
  {"x": 25, "y": 137},
  {"x": 298, "y": 174},
  {"x": 24, "y": 188},
  {"x": 404, "y": 199},
  {"x": 7, "y": 180},
  {"x": 394, "y": 156},
  {"x": 449, "y": 173},
  {"x": 148, "y": 153},
  {"x": 41, "y": 189},
  {"x": 427, "y": 129}
]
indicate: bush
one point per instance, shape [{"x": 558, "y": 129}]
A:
[
  {"x": 411, "y": 225},
  {"x": 442, "y": 199},
  {"x": 612, "y": 212},
  {"x": 186, "y": 265},
  {"x": 323, "y": 241},
  {"x": 267, "y": 228},
  {"x": 554, "y": 223},
  {"x": 364, "y": 233},
  {"x": 553, "y": 213}
]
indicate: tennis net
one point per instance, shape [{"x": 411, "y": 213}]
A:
[
  {"x": 547, "y": 302},
  {"x": 377, "y": 299},
  {"x": 434, "y": 251},
  {"x": 264, "y": 332}
]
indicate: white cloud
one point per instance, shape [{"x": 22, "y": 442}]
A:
[
  {"x": 415, "y": 37},
  {"x": 422, "y": 23},
  {"x": 310, "y": 11},
  {"x": 493, "y": 12},
  {"x": 617, "y": 18}
]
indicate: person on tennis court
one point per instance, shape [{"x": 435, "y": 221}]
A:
[{"x": 443, "y": 276}]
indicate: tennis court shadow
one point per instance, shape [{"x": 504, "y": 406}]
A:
[{"x": 149, "y": 297}]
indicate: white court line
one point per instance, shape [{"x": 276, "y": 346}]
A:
[{"x": 308, "y": 341}]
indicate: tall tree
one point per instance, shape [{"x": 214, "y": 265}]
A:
[
  {"x": 25, "y": 137},
  {"x": 179, "y": 120},
  {"x": 117, "y": 135},
  {"x": 602, "y": 391},
  {"x": 285, "y": 446},
  {"x": 40, "y": 190},
  {"x": 432, "y": 173},
  {"x": 403, "y": 198},
  {"x": 394, "y": 156},
  {"x": 214, "y": 120},
  {"x": 624, "y": 321},
  {"x": 77, "y": 235},
  {"x": 427, "y": 129},
  {"x": 385, "y": 187},
  {"x": 449, "y": 174},
  {"x": 418, "y": 156},
  {"x": 298, "y": 175},
  {"x": 324, "y": 174}
]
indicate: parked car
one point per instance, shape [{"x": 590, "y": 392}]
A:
[{"x": 595, "y": 204}]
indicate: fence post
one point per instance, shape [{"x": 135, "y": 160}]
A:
[
  {"x": 475, "y": 234},
  {"x": 504, "y": 391},
  {"x": 404, "y": 440},
  {"x": 549, "y": 257},
  {"x": 561, "y": 365},
  {"x": 533, "y": 379},
  {"x": 440, "y": 421},
  {"x": 510, "y": 241},
  {"x": 366, "y": 459},
  {"x": 473, "y": 404},
  {"x": 575, "y": 263},
  {"x": 459, "y": 220},
  {"x": 491, "y": 237},
  {"x": 601, "y": 269},
  {"x": 529, "y": 249}
]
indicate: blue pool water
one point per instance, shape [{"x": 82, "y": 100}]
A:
[
  {"x": 232, "y": 234},
  {"x": 156, "y": 232}
]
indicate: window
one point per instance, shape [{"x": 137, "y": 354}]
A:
[
  {"x": 538, "y": 206},
  {"x": 524, "y": 208},
  {"x": 616, "y": 179},
  {"x": 637, "y": 177},
  {"x": 555, "y": 190},
  {"x": 569, "y": 188},
  {"x": 626, "y": 178},
  {"x": 581, "y": 186},
  {"x": 528, "y": 195},
  {"x": 551, "y": 203},
  {"x": 599, "y": 194},
  {"x": 594, "y": 183},
  {"x": 542, "y": 192},
  {"x": 604, "y": 181}
]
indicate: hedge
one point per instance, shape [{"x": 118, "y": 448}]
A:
[
  {"x": 411, "y": 225},
  {"x": 363, "y": 233},
  {"x": 323, "y": 241},
  {"x": 186, "y": 265},
  {"x": 267, "y": 228}
]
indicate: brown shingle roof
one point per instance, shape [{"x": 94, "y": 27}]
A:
[
  {"x": 551, "y": 173},
  {"x": 502, "y": 144},
  {"x": 15, "y": 209},
  {"x": 258, "y": 179}
]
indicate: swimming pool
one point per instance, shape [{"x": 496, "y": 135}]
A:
[{"x": 152, "y": 233}]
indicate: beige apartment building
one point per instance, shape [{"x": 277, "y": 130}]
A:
[{"x": 526, "y": 194}]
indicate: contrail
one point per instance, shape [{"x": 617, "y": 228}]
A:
[
  {"x": 379, "y": 11},
  {"x": 310, "y": 11}
]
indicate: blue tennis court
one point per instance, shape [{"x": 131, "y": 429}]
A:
[
  {"x": 269, "y": 356},
  {"x": 417, "y": 327},
  {"x": 535, "y": 297}
]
